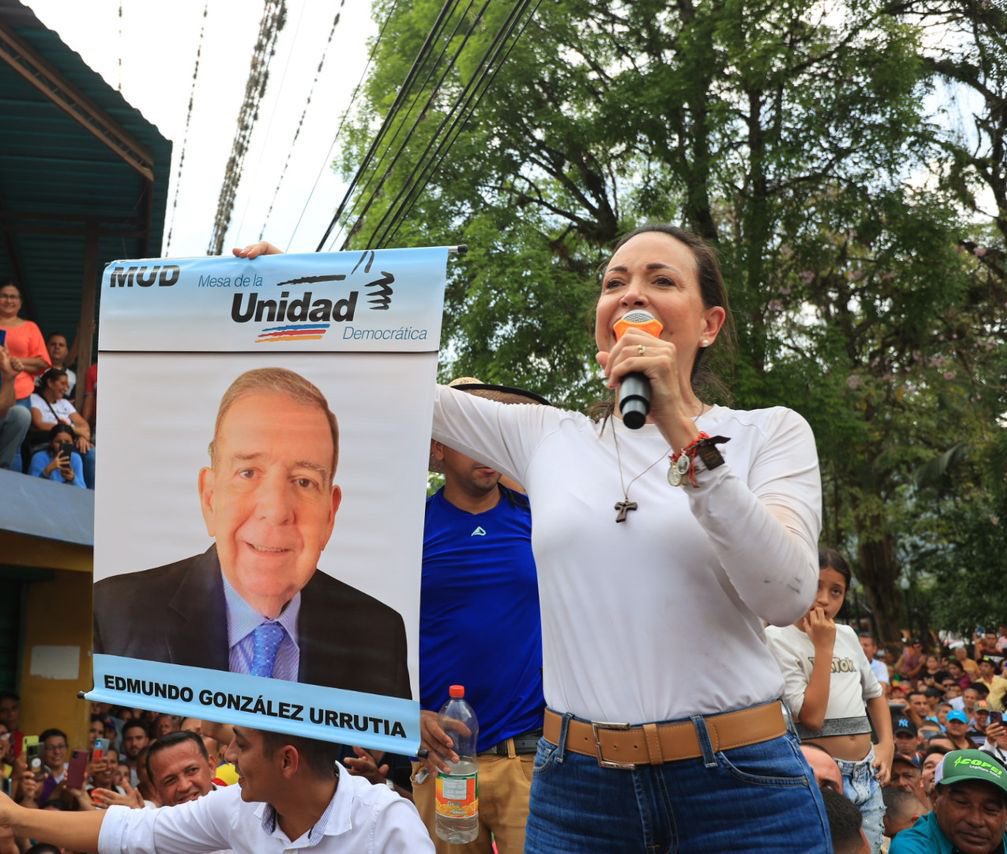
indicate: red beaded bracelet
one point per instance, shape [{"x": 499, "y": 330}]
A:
[{"x": 683, "y": 463}]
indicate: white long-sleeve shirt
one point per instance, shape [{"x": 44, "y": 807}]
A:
[
  {"x": 361, "y": 818},
  {"x": 658, "y": 617}
]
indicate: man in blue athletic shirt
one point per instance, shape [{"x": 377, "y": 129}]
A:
[{"x": 480, "y": 627}]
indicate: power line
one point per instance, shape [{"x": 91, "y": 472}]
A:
[
  {"x": 188, "y": 122},
  {"x": 300, "y": 123},
  {"x": 274, "y": 16},
  {"x": 379, "y": 173},
  {"x": 454, "y": 132},
  {"x": 400, "y": 98},
  {"x": 450, "y": 139},
  {"x": 342, "y": 121},
  {"x": 464, "y": 107}
]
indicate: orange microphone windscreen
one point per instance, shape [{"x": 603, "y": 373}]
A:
[{"x": 637, "y": 318}]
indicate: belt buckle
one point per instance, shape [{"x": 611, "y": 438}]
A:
[{"x": 609, "y": 763}]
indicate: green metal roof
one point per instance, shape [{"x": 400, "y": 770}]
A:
[{"x": 75, "y": 159}]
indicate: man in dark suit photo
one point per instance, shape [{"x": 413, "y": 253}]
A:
[{"x": 255, "y": 601}]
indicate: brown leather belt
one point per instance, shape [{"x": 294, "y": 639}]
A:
[{"x": 617, "y": 745}]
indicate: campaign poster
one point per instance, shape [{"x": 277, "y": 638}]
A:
[{"x": 261, "y": 474}]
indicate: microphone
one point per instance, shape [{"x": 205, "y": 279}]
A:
[{"x": 634, "y": 390}]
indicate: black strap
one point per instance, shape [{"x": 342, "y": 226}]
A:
[{"x": 53, "y": 411}]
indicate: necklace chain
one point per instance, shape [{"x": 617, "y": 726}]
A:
[
  {"x": 618, "y": 457},
  {"x": 625, "y": 506}
]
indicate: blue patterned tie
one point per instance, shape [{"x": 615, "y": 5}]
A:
[{"x": 266, "y": 640}]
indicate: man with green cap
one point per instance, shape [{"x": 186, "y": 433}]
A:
[{"x": 970, "y": 809}]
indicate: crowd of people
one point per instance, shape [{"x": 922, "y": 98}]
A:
[
  {"x": 41, "y": 431},
  {"x": 145, "y": 761},
  {"x": 944, "y": 697},
  {"x": 142, "y": 760},
  {"x": 645, "y": 741}
]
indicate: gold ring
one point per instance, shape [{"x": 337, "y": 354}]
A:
[{"x": 641, "y": 350}]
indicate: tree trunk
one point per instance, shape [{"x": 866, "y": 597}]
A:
[{"x": 878, "y": 572}]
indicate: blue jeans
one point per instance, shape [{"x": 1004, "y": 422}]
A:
[
  {"x": 89, "y": 461},
  {"x": 13, "y": 428},
  {"x": 861, "y": 786},
  {"x": 757, "y": 798}
]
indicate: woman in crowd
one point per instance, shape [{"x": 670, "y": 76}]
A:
[
  {"x": 50, "y": 407},
  {"x": 59, "y": 462},
  {"x": 24, "y": 342},
  {"x": 653, "y": 594}
]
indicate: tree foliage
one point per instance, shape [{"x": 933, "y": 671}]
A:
[{"x": 853, "y": 222}]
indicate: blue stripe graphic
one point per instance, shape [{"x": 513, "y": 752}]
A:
[{"x": 311, "y": 711}]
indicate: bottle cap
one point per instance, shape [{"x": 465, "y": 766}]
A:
[{"x": 456, "y": 692}]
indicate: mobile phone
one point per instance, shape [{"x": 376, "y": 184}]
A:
[
  {"x": 27, "y": 741},
  {"x": 996, "y": 717},
  {"x": 76, "y": 769},
  {"x": 33, "y": 755},
  {"x": 66, "y": 449},
  {"x": 98, "y": 749}
]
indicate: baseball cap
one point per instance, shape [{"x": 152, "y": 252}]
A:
[
  {"x": 903, "y": 724},
  {"x": 982, "y": 706},
  {"x": 961, "y": 765},
  {"x": 957, "y": 715},
  {"x": 502, "y": 393}
]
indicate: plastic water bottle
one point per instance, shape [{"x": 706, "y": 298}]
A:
[{"x": 458, "y": 788}]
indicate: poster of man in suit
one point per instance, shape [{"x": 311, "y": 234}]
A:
[{"x": 257, "y": 547}]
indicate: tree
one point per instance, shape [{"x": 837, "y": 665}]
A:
[
  {"x": 968, "y": 53},
  {"x": 785, "y": 133}
]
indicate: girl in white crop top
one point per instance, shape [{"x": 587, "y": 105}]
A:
[{"x": 833, "y": 694}]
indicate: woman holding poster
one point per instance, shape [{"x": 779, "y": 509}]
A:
[{"x": 661, "y": 552}]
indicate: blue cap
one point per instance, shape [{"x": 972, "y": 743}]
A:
[{"x": 956, "y": 715}]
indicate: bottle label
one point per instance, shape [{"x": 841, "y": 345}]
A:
[{"x": 458, "y": 795}]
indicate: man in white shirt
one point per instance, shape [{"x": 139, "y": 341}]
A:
[
  {"x": 291, "y": 794},
  {"x": 870, "y": 648}
]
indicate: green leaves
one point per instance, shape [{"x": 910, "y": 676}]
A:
[{"x": 860, "y": 232}]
